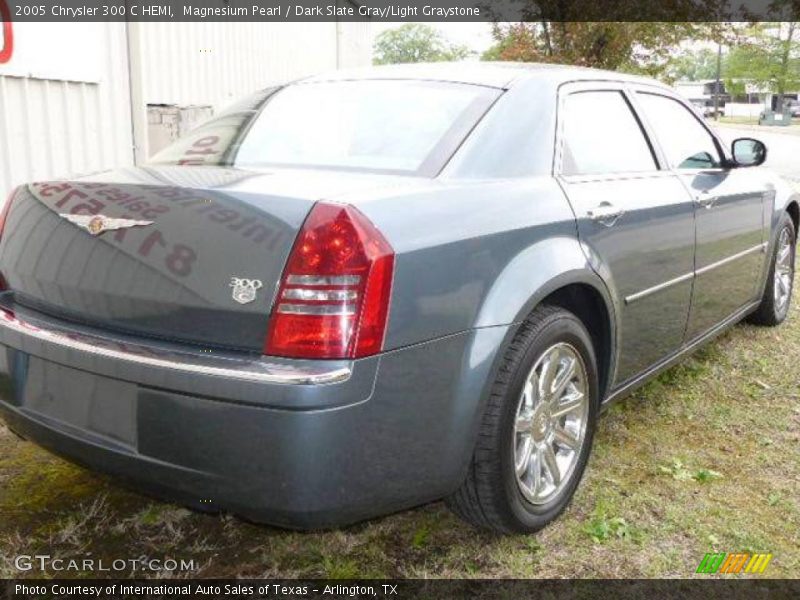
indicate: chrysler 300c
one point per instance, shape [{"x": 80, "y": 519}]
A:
[{"x": 364, "y": 291}]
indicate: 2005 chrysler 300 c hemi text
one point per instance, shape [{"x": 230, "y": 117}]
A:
[{"x": 368, "y": 290}]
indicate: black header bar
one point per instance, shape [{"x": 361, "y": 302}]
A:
[
  {"x": 735, "y": 588},
  {"x": 391, "y": 11}
]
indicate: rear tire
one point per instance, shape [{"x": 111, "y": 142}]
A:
[
  {"x": 777, "y": 297},
  {"x": 543, "y": 405}
]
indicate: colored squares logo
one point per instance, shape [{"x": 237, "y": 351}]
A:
[{"x": 733, "y": 564}]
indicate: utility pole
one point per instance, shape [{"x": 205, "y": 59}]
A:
[
  {"x": 133, "y": 34},
  {"x": 717, "y": 83}
]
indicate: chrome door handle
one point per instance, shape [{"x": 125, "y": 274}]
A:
[
  {"x": 606, "y": 213},
  {"x": 705, "y": 199}
]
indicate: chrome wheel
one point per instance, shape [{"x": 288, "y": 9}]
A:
[
  {"x": 550, "y": 425},
  {"x": 784, "y": 272}
]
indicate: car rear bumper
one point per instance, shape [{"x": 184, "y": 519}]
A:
[{"x": 375, "y": 435}]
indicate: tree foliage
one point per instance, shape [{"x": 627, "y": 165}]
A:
[
  {"x": 415, "y": 42},
  {"x": 767, "y": 57},
  {"x": 640, "y": 47},
  {"x": 692, "y": 65}
]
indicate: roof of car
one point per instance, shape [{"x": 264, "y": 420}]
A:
[{"x": 492, "y": 74}]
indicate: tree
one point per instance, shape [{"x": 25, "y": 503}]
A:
[
  {"x": 768, "y": 58},
  {"x": 415, "y": 42},
  {"x": 692, "y": 65},
  {"x": 639, "y": 47}
]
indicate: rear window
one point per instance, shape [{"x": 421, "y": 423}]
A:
[{"x": 376, "y": 125}]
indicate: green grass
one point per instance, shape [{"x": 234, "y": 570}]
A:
[{"x": 705, "y": 458}]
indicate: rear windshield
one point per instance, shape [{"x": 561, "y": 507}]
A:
[{"x": 374, "y": 125}]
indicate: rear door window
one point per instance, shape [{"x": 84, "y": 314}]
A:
[{"x": 603, "y": 136}]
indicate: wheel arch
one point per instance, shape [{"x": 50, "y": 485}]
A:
[
  {"x": 794, "y": 212},
  {"x": 588, "y": 304},
  {"x": 557, "y": 272}
]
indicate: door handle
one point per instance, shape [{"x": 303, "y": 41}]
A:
[
  {"x": 606, "y": 213},
  {"x": 705, "y": 199}
]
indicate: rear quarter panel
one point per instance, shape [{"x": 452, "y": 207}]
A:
[{"x": 476, "y": 254}]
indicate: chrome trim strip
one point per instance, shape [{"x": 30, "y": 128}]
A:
[
  {"x": 658, "y": 288},
  {"x": 241, "y": 369},
  {"x": 702, "y": 271},
  {"x": 323, "y": 280},
  {"x": 317, "y": 309},
  {"x": 311, "y": 294}
]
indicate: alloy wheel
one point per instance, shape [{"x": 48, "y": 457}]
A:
[
  {"x": 550, "y": 424},
  {"x": 784, "y": 270}
]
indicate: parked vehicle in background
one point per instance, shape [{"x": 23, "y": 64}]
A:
[
  {"x": 705, "y": 95},
  {"x": 707, "y": 109},
  {"x": 368, "y": 290}
]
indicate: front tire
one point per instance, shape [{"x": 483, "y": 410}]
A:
[
  {"x": 777, "y": 298},
  {"x": 537, "y": 431}
]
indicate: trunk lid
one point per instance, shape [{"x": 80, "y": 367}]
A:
[{"x": 197, "y": 259}]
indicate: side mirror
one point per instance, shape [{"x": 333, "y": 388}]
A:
[{"x": 748, "y": 152}]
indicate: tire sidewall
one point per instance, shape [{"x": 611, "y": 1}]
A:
[{"x": 560, "y": 328}]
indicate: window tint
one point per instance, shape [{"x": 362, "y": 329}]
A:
[
  {"x": 602, "y": 135},
  {"x": 684, "y": 140}
]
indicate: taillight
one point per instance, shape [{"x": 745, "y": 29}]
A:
[{"x": 333, "y": 299}]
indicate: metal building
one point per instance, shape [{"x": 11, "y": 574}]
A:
[{"x": 74, "y": 96}]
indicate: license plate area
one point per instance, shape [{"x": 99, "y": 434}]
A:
[{"x": 89, "y": 403}]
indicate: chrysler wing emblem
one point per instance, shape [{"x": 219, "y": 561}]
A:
[{"x": 97, "y": 224}]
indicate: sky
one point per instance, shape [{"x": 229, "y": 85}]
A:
[{"x": 477, "y": 36}]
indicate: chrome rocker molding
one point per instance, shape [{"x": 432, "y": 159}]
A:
[
  {"x": 254, "y": 370},
  {"x": 688, "y": 276}
]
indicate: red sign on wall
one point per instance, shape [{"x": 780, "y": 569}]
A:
[{"x": 6, "y": 33}]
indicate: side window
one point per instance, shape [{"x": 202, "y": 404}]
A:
[
  {"x": 602, "y": 135},
  {"x": 686, "y": 143}
]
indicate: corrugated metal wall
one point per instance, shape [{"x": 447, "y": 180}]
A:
[
  {"x": 54, "y": 126},
  {"x": 217, "y": 63},
  {"x": 51, "y": 127}
]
